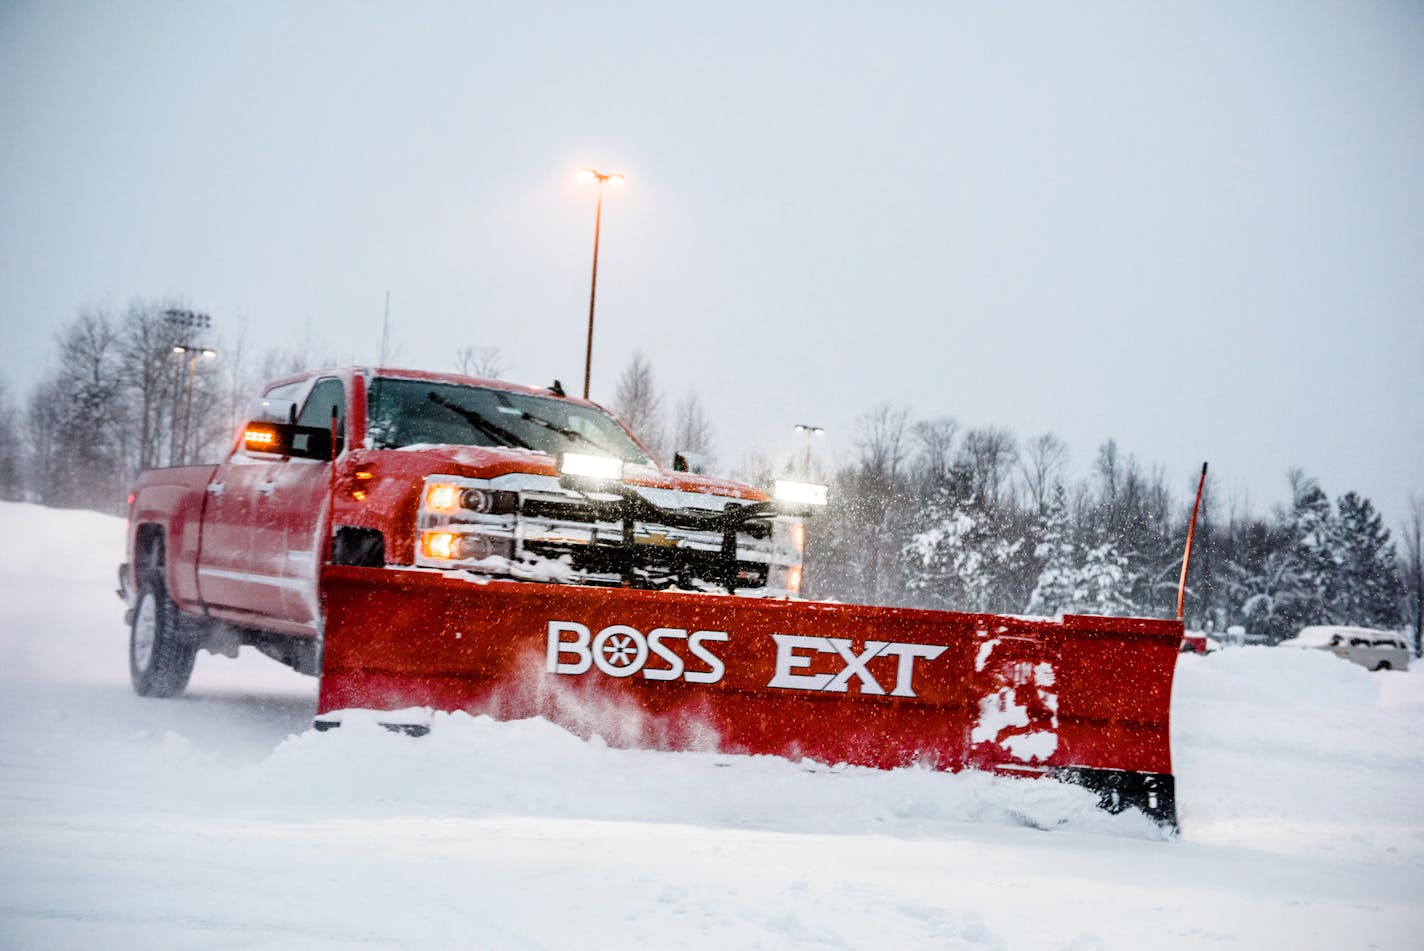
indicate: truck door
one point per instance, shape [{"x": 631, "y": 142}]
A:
[
  {"x": 238, "y": 524},
  {"x": 304, "y": 489}
]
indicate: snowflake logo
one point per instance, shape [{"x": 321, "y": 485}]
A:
[{"x": 619, "y": 650}]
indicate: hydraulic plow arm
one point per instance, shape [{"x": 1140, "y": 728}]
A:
[{"x": 1084, "y": 699}]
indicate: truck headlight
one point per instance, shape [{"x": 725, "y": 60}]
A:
[
  {"x": 442, "y": 497},
  {"x": 447, "y": 498},
  {"x": 487, "y": 502}
]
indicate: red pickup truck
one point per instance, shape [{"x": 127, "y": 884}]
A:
[{"x": 415, "y": 470}]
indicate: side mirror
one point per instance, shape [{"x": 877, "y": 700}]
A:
[
  {"x": 686, "y": 460},
  {"x": 289, "y": 439},
  {"x": 268, "y": 410}
]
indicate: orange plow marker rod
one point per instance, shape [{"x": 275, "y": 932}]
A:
[{"x": 1187, "y": 556}]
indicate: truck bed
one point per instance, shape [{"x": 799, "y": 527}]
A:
[{"x": 174, "y": 496}]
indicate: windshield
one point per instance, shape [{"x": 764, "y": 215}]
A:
[{"x": 414, "y": 412}]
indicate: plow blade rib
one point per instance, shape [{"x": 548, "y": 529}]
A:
[{"x": 1081, "y": 699}]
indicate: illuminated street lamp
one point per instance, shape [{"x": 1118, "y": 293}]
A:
[
  {"x": 809, "y": 431},
  {"x": 616, "y": 178}
]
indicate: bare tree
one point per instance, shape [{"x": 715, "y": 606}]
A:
[
  {"x": 76, "y": 418},
  {"x": 639, "y": 404},
  {"x": 486, "y": 362},
  {"x": 755, "y": 468},
  {"x": 239, "y": 388},
  {"x": 11, "y": 462},
  {"x": 1042, "y": 465},
  {"x": 989, "y": 454},
  {"x": 935, "y": 440},
  {"x": 43, "y": 426},
  {"x": 1107, "y": 465},
  {"x": 152, "y": 376},
  {"x": 692, "y": 430},
  {"x": 873, "y": 515},
  {"x": 880, "y": 440}
]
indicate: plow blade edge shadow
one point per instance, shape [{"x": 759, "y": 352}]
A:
[{"x": 1081, "y": 699}]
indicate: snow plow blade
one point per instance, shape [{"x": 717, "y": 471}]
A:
[{"x": 1081, "y": 699}]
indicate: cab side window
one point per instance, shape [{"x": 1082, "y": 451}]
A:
[
  {"x": 326, "y": 394},
  {"x": 287, "y": 391},
  {"x": 326, "y": 397}
]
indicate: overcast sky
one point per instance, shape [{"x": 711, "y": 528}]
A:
[{"x": 1197, "y": 228}]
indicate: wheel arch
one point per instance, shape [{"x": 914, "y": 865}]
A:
[{"x": 150, "y": 555}]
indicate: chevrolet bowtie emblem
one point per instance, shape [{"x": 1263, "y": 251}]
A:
[{"x": 655, "y": 538}]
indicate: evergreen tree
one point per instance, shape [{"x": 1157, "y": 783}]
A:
[
  {"x": 1303, "y": 568},
  {"x": 963, "y": 561},
  {"x": 1365, "y": 588},
  {"x": 1057, "y": 587},
  {"x": 1105, "y": 581}
]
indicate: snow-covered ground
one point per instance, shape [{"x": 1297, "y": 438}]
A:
[{"x": 221, "y": 820}]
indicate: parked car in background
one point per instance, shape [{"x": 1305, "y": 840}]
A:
[
  {"x": 1197, "y": 642},
  {"x": 1377, "y": 650}
]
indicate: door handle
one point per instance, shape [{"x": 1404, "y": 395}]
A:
[
  {"x": 266, "y": 488},
  {"x": 215, "y": 488}
]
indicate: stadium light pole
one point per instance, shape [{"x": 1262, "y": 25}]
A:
[
  {"x": 616, "y": 178},
  {"x": 193, "y": 353},
  {"x": 809, "y": 431},
  {"x": 184, "y": 324}
]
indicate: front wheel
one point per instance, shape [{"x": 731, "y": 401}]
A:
[{"x": 160, "y": 661}]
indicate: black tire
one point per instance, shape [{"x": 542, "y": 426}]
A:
[
  {"x": 160, "y": 660},
  {"x": 1382, "y": 665}
]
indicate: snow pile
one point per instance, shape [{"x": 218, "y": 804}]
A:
[
  {"x": 40, "y": 543},
  {"x": 1270, "y": 678},
  {"x": 468, "y": 765},
  {"x": 1310, "y": 753}
]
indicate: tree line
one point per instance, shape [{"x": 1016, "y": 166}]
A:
[
  {"x": 926, "y": 512},
  {"x": 931, "y": 515},
  {"x": 129, "y": 390}
]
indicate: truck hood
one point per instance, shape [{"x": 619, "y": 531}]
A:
[{"x": 488, "y": 462}]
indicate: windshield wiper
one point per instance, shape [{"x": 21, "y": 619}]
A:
[
  {"x": 566, "y": 433},
  {"x": 493, "y": 430}
]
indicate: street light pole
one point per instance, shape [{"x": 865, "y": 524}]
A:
[
  {"x": 809, "y": 431},
  {"x": 617, "y": 179}
]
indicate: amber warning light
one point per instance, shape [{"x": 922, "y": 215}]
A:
[{"x": 259, "y": 439}]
